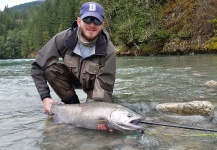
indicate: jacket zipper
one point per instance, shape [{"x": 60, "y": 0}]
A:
[{"x": 79, "y": 74}]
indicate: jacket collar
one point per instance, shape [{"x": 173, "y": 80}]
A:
[{"x": 72, "y": 39}]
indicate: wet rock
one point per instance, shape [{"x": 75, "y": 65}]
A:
[
  {"x": 186, "y": 120},
  {"x": 214, "y": 114},
  {"x": 188, "y": 108},
  {"x": 211, "y": 83}
]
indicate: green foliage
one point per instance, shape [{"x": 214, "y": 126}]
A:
[
  {"x": 129, "y": 23},
  {"x": 138, "y": 25},
  {"x": 214, "y": 22},
  {"x": 25, "y": 43},
  {"x": 2, "y": 41},
  {"x": 184, "y": 34},
  {"x": 212, "y": 43},
  {"x": 13, "y": 44},
  {"x": 161, "y": 35},
  {"x": 26, "y": 6}
]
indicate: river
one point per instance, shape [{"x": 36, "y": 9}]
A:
[{"x": 141, "y": 84}]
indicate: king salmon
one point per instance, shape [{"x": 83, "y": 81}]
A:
[{"x": 90, "y": 115}]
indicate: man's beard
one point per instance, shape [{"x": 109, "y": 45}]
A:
[{"x": 86, "y": 37}]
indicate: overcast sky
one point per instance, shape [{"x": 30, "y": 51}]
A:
[{"x": 11, "y": 3}]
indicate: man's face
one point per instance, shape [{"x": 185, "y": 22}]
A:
[{"x": 89, "y": 31}]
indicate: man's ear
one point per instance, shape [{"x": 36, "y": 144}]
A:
[
  {"x": 103, "y": 24},
  {"x": 78, "y": 21}
]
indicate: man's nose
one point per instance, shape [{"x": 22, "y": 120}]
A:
[{"x": 92, "y": 23}]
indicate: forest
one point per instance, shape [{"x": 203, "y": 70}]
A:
[{"x": 138, "y": 27}]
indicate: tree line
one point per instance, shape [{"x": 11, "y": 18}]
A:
[
  {"x": 136, "y": 25},
  {"x": 129, "y": 22}
]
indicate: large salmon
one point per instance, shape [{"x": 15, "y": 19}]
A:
[{"x": 89, "y": 115}]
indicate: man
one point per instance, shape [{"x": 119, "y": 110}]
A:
[{"x": 89, "y": 61}]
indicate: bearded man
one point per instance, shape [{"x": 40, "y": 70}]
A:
[{"x": 89, "y": 61}]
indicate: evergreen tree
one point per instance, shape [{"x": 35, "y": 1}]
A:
[{"x": 135, "y": 25}]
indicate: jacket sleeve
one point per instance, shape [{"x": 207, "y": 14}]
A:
[
  {"x": 105, "y": 80},
  {"x": 47, "y": 56}
]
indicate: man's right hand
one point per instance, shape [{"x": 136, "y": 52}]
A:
[{"x": 48, "y": 102}]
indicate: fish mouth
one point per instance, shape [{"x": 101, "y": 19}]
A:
[
  {"x": 135, "y": 121},
  {"x": 130, "y": 125},
  {"x": 135, "y": 124}
]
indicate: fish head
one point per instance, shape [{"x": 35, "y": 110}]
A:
[{"x": 125, "y": 119}]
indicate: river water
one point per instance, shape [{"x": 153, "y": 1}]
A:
[{"x": 141, "y": 84}]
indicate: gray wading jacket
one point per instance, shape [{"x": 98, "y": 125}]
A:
[{"x": 96, "y": 73}]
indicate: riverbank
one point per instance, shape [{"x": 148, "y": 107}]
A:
[
  {"x": 190, "y": 29},
  {"x": 140, "y": 29}
]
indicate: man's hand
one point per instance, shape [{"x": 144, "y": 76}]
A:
[
  {"x": 103, "y": 127},
  {"x": 48, "y": 102}
]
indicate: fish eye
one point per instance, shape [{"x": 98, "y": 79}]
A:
[{"x": 129, "y": 116}]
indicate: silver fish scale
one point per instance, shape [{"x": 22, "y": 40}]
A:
[{"x": 87, "y": 115}]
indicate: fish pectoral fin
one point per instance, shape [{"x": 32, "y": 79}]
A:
[{"x": 56, "y": 119}]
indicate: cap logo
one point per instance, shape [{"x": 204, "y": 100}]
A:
[{"x": 92, "y": 7}]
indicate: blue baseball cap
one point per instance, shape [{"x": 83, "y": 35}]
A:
[{"x": 92, "y": 9}]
